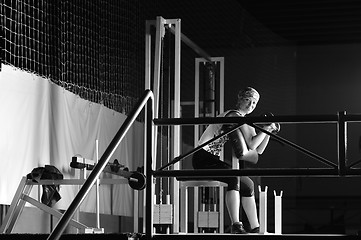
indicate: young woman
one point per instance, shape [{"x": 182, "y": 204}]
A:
[{"x": 246, "y": 144}]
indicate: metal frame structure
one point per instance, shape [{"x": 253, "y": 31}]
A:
[
  {"x": 341, "y": 169},
  {"x": 174, "y": 26},
  {"x": 218, "y": 96}
]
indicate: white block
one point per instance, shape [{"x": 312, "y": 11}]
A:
[
  {"x": 94, "y": 230},
  {"x": 262, "y": 210},
  {"x": 278, "y": 213}
]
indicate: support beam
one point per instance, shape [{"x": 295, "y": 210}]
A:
[
  {"x": 277, "y": 172},
  {"x": 342, "y": 143}
]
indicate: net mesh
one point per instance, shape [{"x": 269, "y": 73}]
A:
[{"x": 92, "y": 48}]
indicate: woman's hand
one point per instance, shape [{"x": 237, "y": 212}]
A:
[{"x": 273, "y": 128}]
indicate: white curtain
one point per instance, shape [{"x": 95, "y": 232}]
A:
[{"x": 44, "y": 124}]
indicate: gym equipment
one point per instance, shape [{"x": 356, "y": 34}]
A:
[
  {"x": 262, "y": 210},
  {"x": 208, "y": 209},
  {"x": 212, "y": 218},
  {"x": 136, "y": 180},
  {"x": 278, "y": 212}
]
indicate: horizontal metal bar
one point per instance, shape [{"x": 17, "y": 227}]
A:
[
  {"x": 352, "y": 117},
  {"x": 102, "y": 181},
  {"x": 248, "y": 120},
  {"x": 276, "y": 172}
]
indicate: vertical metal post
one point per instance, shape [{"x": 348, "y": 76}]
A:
[
  {"x": 148, "y": 48},
  {"x": 220, "y": 210},
  {"x": 97, "y": 189},
  {"x": 184, "y": 213},
  {"x": 196, "y": 138},
  {"x": 221, "y": 83},
  {"x": 176, "y": 132},
  {"x": 196, "y": 209},
  {"x": 148, "y": 42},
  {"x": 157, "y": 61},
  {"x": 196, "y": 99},
  {"x": 342, "y": 143},
  {"x": 159, "y": 34},
  {"x": 159, "y": 25},
  {"x": 149, "y": 172}
]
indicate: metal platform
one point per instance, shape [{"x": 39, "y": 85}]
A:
[
  {"x": 192, "y": 236},
  {"x": 206, "y": 236}
]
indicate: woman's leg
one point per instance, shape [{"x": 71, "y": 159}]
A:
[
  {"x": 248, "y": 201},
  {"x": 233, "y": 205},
  {"x": 250, "y": 208}
]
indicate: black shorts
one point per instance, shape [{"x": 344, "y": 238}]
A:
[{"x": 205, "y": 160}]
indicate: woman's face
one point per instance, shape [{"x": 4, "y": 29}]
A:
[{"x": 247, "y": 105}]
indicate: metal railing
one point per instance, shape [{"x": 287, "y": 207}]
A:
[
  {"x": 333, "y": 169},
  {"x": 99, "y": 167},
  {"x": 339, "y": 169}
]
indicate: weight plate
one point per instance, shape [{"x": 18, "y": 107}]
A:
[{"x": 140, "y": 183}]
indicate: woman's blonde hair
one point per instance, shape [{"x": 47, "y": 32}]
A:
[{"x": 248, "y": 92}]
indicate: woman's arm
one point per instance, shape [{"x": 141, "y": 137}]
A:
[
  {"x": 256, "y": 141},
  {"x": 246, "y": 140},
  {"x": 263, "y": 144}
]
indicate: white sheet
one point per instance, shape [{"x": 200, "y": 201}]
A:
[{"x": 42, "y": 123}]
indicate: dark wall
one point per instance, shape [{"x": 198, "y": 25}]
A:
[
  {"x": 329, "y": 78},
  {"x": 328, "y": 81}
]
